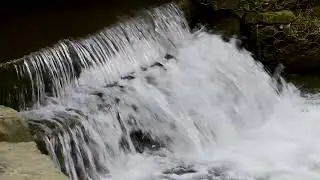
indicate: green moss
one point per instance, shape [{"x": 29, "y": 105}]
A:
[
  {"x": 279, "y": 17},
  {"x": 305, "y": 27},
  {"x": 260, "y": 5},
  {"x": 250, "y": 5},
  {"x": 225, "y": 4},
  {"x": 296, "y": 45},
  {"x": 315, "y": 11},
  {"x": 253, "y": 18}
]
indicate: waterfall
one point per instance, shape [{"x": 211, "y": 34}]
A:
[
  {"x": 146, "y": 99},
  {"x": 112, "y": 50}
]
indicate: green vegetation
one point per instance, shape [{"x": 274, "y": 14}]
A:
[
  {"x": 278, "y": 31},
  {"x": 278, "y": 17}
]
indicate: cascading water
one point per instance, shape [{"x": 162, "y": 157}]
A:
[
  {"x": 115, "y": 51},
  {"x": 146, "y": 99}
]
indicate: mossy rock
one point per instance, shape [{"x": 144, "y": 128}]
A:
[
  {"x": 13, "y": 128},
  {"x": 296, "y": 45},
  {"x": 260, "y": 5},
  {"x": 279, "y": 17}
]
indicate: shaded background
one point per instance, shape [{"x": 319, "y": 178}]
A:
[{"x": 26, "y": 26}]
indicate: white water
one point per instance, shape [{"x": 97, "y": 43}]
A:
[{"x": 212, "y": 107}]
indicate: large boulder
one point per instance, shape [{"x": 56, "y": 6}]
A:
[
  {"x": 20, "y": 159},
  {"x": 12, "y": 127},
  {"x": 23, "y": 161}
]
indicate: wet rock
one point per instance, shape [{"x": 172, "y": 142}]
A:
[
  {"x": 142, "y": 140},
  {"x": 143, "y": 68},
  {"x": 180, "y": 170},
  {"x": 23, "y": 161},
  {"x": 117, "y": 100},
  {"x": 12, "y": 127},
  {"x": 99, "y": 94},
  {"x": 241, "y": 42},
  {"x": 129, "y": 77},
  {"x": 226, "y": 23},
  {"x": 157, "y": 64},
  {"x": 218, "y": 172},
  {"x": 134, "y": 107},
  {"x": 169, "y": 56},
  {"x": 111, "y": 85}
]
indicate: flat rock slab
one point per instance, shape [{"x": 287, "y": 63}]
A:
[{"x": 23, "y": 161}]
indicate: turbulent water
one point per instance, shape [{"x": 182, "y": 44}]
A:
[{"x": 170, "y": 104}]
